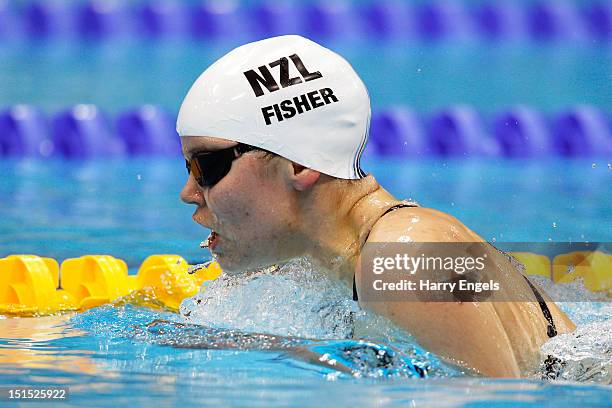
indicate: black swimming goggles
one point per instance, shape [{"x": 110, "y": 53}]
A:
[{"x": 209, "y": 167}]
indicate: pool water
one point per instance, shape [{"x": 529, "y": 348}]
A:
[
  {"x": 140, "y": 356},
  {"x": 426, "y": 77},
  {"x": 286, "y": 340},
  {"x": 105, "y": 359},
  {"x": 131, "y": 208}
]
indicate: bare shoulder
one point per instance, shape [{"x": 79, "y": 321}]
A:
[{"x": 421, "y": 224}]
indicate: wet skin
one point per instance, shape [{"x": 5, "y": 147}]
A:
[{"x": 269, "y": 211}]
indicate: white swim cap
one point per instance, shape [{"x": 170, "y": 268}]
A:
[{"x": 288, "y": 95}]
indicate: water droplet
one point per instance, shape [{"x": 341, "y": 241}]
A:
[
  {"x": 554, "y": 225},
  {"x": 494, "y": 239},
  {"x": 594, "y": 165},
  {"x": 452, "y": 203},
  {"x": 419, "y": 70},
  {"x": 138, "y": 177},
  {"x": 609, "y": 166}
]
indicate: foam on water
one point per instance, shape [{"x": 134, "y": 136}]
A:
[
  {"x": 295, "y": 300},
  {"x": 298, "y": 311},
  {"x": 298, "y": 300},
  {"x": 585, "y": 354}
]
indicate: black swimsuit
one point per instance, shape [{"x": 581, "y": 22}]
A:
[
  {"x": 395, "y": 207},
  {"x": 551, "y": 330}
]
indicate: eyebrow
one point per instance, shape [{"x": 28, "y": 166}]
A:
[
  {"x": 196, "y": 149},
  {"x": 200, "y": 149}
]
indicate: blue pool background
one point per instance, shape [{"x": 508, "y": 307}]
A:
[
  {"x": 490, "y": 77},
  {"x": 130, "y": 208}
]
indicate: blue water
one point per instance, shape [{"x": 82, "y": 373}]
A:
[
  {"x": 425, "y": 77},
  {"x": 131, "y": 209},
  {"x": 114, "y": 359}
]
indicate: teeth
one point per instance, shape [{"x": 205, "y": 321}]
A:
[{"x": 206, "y": 243}]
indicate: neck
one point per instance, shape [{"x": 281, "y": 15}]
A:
[{"x": 338, "y": 230}]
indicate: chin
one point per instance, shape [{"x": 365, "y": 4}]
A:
[
  {"x": 233, "y": 266},
  {"x": 230, "y": 265}
]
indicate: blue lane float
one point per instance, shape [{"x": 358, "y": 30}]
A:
[
  {"x": 101, "y": 19},
  {"x": 502, "y": 20},
  {"x": 582, "y": 131},
  {"x": 443, "y": 19},
  {"x": 273, "y": 18},
  {"x": 9, "y": 27},
  {"x": 522, "y": 132},
  {"x": 389, "y": 19},
  {"x": 459, "y": 131},
  {"x": 84, "y": 132},
  {"x": 148, "y": 130},
  {"x": 218, "y": 20},
  {"x": 49, "y": 19},
  {"x": 555, "y": 20},
  {"x": 598, "y": 17},
  {"x": 325, "y": 19},
  {"x": 24, "y": 132},
  {"x": 398, "y": 132},
  {"x": 163, "y": 19}
]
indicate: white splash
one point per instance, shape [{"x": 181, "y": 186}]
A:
[
  {"x": 295, "y": 300},
  {"x": 585, "y": 354}
]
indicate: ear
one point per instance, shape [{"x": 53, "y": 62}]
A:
[{"x": 303, "y": 178}]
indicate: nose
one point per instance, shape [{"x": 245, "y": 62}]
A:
[{"x": 192, "y": 192}]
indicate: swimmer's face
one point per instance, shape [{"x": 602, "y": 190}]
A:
[{"x": 251, "y": 208}]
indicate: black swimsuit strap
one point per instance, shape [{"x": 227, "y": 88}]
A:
[
  {"x": 551, "y": 330},
  {"x": 395, "y": 207}
]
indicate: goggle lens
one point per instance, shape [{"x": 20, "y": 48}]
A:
[{"x": 208, "y": 168}]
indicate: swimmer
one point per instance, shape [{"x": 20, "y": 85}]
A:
[{"x": 272, "y": 134}]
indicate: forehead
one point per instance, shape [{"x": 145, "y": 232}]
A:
[{"x": 191, "y": 144}]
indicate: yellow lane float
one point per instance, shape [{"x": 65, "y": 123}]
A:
[
  {"x": 32, "y": 285},
  {"x": 28, "y": 284},
  {"x": 594, "y": 267},
  {"x": 534, "y": 264}
]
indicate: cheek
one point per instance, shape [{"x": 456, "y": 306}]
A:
[
  {"x": 229, "y": 204},
  {"x": 247, "y": 204}
]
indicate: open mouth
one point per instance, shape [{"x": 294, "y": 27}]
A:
[{"x": 211, "y": 242}]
